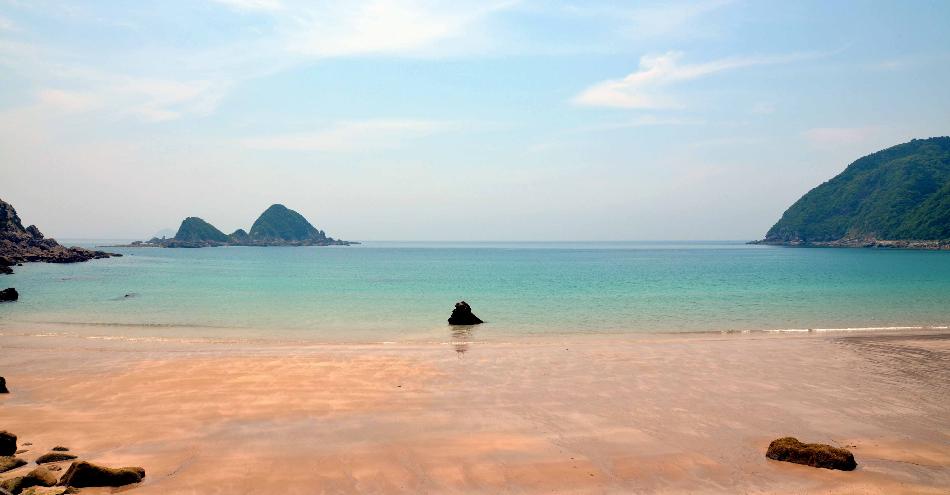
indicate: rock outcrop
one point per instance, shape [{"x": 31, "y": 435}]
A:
[
  {"x": 21, "y": 245},
  {"x": 84, "y": 474},
  {"x": 9, "y": 462},
  {"x": 54, "y": 457},
  {"x": 37, "y": 477},
  {"x": 9, "y": 295},
  {"x": 789, "y": 449},
  {"x": 7, "y": 443},
  {"x": 3, "y": 386},
  {"x": 462, "y": 315}
]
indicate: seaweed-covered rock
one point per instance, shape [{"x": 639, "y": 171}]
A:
[
  {"x": 54, "y": 457},
  {"x": 462, "y": 315},
  {"x": 789, "y": 449},
  {"x": 37, "y": 477},
  {"x": 82, "y": 474},
  {"x": 9, "y": 462},
  {"x": 7, "y": 443},
  {"x": 3, "y": 386},
  {"x": 9, "y": 294}
]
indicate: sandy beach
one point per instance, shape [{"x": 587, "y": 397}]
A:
[{"x": 653, "y": 414}]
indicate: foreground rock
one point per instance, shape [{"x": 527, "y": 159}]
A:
[
  {"x": 83, "y": 474},
  {"x": 21, "y": 245},
  {"x": 8, "y": 462},
  {"x": 54, "y": 457},
  {"x": 37, "y": 477},
  {"x": 462, "y": 315},
  {"x": 9, "y": 295},
  {"x": 789, "y": 449},
  {"x": 3, "y": 386},
  {"x": 7, "y": 443}
]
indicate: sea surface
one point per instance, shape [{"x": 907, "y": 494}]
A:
[{"x": 399, "y": 292}]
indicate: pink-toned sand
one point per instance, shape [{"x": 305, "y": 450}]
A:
[{"x": 660, "y": 414}]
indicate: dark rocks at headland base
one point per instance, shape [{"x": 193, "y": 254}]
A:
[
  {"x": 20, "y": 244},
  {"x": 9, "y": 295},
  {"x": 277, "y": 226},
  {"x": 84, "y": 474},
  {"x": 462, "y": 315},
  {"x": 789, "y": 449}
]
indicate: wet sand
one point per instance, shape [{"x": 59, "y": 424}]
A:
[{"x": 657, "y": 414}]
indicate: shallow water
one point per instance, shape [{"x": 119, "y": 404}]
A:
[{"x": 405, "y": 291}]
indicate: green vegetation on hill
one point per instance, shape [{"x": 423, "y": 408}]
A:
[
  {"x": 901, "y": 193},
  {"x": 281, "y": 223},
  {"x": 194, "y": 229}
]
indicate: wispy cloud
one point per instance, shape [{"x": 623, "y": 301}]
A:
[
  {"x": 646, "y": 88},
  {"x": 351, "y": 136},
  {"x": 677, "y": 18},
  {"x": 838, "y": 136}
]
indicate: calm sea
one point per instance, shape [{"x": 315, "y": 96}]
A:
[{"x": 405, "y": 291}]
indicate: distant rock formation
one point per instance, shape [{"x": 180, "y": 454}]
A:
[
  {"x": 896, "y": 198},
  {"x": 277, "y": 226},
  {"x": 21, "y": 245},
  {"x": 462, "y": 315},
  {"x": 789, "y": 449}
]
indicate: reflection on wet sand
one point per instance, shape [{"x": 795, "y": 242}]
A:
[{"x": 462, "y": 337}]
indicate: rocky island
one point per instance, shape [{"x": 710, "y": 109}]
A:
[
  {"x": 21, "y": 245},
  {"x": 277, "y": 226},
  {"x": 897, "y": 198}
]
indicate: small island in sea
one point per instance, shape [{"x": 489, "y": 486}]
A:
[
  {"x": 277, "y": 226},
  {"x": 897, "y": 198}
]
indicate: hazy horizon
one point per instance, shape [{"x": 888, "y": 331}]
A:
[{"x": 461, "y": 121}]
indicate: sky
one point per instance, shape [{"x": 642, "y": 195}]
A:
[{"x": 464, "y": 120}]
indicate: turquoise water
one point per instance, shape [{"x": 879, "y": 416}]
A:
[{"x": 405, "y": 291}]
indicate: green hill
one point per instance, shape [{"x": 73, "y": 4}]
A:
[
  {"x": 898, "y": 194},
  {"x": 194, "y": 229},
  {"x": 279, "y": 223}
]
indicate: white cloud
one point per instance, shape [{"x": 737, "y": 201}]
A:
[
  {"x": 403, "y": 27},
  {"x": 351, "y": 136},
  {"x": 644, "y": 89}
]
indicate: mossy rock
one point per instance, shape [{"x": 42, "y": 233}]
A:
[
  {"x": 54, "y": 457},
  {"x": 9, "y": 462},
  {"x": 37, "y": 477},
  {"x": 789, "y": 449},
  {"x": 83, "y": 474}
]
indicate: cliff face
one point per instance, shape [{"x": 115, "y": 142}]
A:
[
  {"x": 898, "y": 197},
  {"x": 21, "y": 245}
]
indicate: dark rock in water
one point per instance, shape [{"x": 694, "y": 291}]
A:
[
  {"x": 54, "y": 457},
  {"x": 82, "y": 474},
  {"x": 37, "y": 477},
  {"x": 462, "y": 315},
  {"x": 7, "y": 443},
  {"x": 9, "y": 295},
  {"x": 3, "y": 386},
  {"x": 789, "y": 449},
  {"x": 9, "y": 462},
  {"x": 60, "y": 448}
]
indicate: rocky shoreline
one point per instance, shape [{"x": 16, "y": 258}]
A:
[
  {"x": 934, "y": 245},
  {"x": 20, "y": 244}
]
